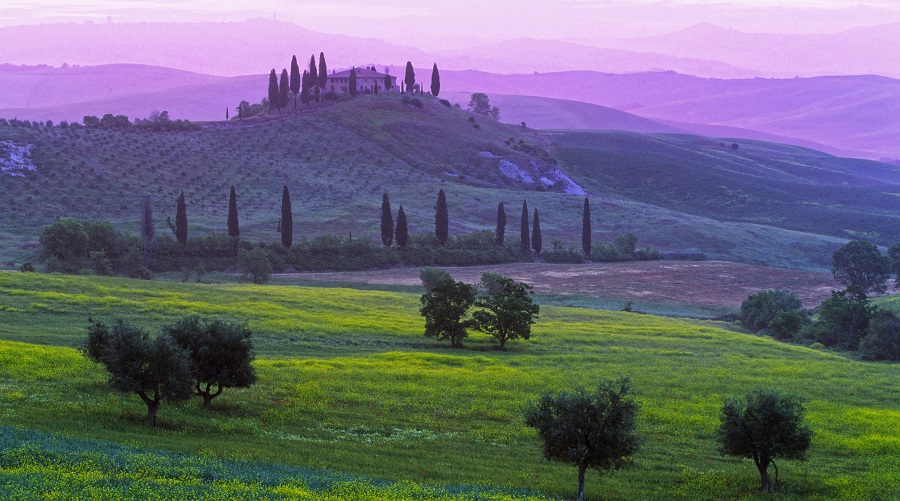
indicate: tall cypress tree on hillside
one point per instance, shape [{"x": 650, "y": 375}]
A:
[
  {"x": 181, "y": 231},
  {"x": 273, "y": 90},
  {"x": 314, "y": 75},
  {"x": 410, "y": 78},
  {"x": 352, "y": 80},
  {"x": 284, "y": 89},
  {"x": 401, "y": 232},
  {"x": 501, "y": 224},
  {"x": 287, "y": 219},
  {"x": 323, "y": 72},
  {"x": 388, "y": 84},
  {"x": 441, "y": 219},
  {"x": 586, "y": 228},
  {"x": 536, "y": 240},
  {"x": 233, "y": 226},
  {"x": 525, "y": 240},
  {"x": 305, "y": 85},
  {"x": 435, "y": 81},
  {"x": 295, "y": 79},
  {"x": 387, "y": 221},
  {"x": 148, "y": 231}
]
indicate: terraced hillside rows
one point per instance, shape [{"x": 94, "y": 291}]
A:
[
  {"x": 337, "y": 161},
  {"x": 348, "y": 386}
]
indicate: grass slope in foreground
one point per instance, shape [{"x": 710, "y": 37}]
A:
[{"x": 347, "y": 384}]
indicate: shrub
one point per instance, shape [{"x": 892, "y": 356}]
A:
[
  {"x": 883, "y": 339},
  {"x": 760, "y": 308},
  {"x": 786, "y": 324}
]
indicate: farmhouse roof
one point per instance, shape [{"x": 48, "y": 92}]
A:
[{"x": 360, "y": 73}]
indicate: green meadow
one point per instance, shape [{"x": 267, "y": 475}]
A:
[{"x": 352, "y": 399}]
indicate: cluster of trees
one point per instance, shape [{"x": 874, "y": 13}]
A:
[
  {"x": 847, "y": 320},
  {"x": 158, "y": 121},
  {"x": 480, "y": 103},
  {"x": 308, "y": 86},
  {"x": 504, "y": 308},
  {"x": 191, "y": 357},
  {"x": 597, "y": 429}
]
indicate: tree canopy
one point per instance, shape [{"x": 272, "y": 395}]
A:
[
  {"x": 764, "y": 425},
  {"x": 593, "y": 430},
  {"x": 445, "y": 307},
  {"x": 861, "y": 265},
  {"x": 506, "y": 310}
]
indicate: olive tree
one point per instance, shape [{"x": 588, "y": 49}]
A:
[
  {"x": 445, "y": 307},
  {"x": 588, "y": 429},
  {"x": 154, "y": 368},
  {"x": 220, "y": 354},
  {"x": 507, "y": 311},
  {"x": 764, "y": 425}
]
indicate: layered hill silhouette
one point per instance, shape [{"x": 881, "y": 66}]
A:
[{"x": 756, "y": 202}]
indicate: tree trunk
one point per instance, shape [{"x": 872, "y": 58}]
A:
[
  {"x": 152, "y": 407},
  {"x": 581, "y": 470},
  {"x": 502, "y": 344},
  {"x": 764, "y": 476}
]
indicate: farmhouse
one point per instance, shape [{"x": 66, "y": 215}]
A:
[{"x": 366, "y": 80}]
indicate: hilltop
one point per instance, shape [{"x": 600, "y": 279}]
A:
[{"x": 338, "y": 159}]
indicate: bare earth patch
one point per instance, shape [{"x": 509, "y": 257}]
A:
[{"x": 700, "y": 283}]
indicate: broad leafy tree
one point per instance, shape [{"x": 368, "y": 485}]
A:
[
  {"x": 234, "y": 229},
  {"x": 506, "y": 311},
  {"x": 591, "y": 430},
  {"x": 445, "y": 308},
  {"x": 861, "y": 265},
  {"x": 760, "y": 308},
  {"x": 882, "y": 342},
  {"x": 435, "y": 81},
  {"x": 481, "y": 104},
  {"x": 410, "y": 78},
  {"x": 441, "y": 219},
  {"x": 387, "y": 221},
  {"x": 255, "y": 266},
  {"x": 762, "y": 426},
  {"x": 586, "y": 228},
  {"x": 537, "y": 240},
  {"x": 524, "y": 239},
  {"x": 220, "y": 354},
  {"x": 287, "y": 219},
  {"x": 501, "y": 224},
  {"x": 295, "y": 79},
  {"x": 844, "y": 319},
  {"x": 154, "y": 368},
  {"x": 401, "y": 232}
]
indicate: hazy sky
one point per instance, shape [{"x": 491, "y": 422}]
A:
[{"x": 426, "y": 21}]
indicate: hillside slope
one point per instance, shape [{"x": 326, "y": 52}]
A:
[{"x": 338, "y": 160}]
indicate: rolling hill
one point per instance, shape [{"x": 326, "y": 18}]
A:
[{"x": 338, "y": 159}]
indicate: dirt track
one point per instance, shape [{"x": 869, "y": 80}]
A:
[{"x": 701, "y": 283}]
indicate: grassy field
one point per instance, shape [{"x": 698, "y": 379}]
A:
[
  {"x": 337, "y": 161},
  {"x": 347, "y": 384}
]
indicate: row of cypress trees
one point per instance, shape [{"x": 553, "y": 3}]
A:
[
  {"x": 529, "y": 238},
  {"x": 309, "y": 85}
]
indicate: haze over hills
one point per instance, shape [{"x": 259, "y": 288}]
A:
[{"x": 859, "y": 51}]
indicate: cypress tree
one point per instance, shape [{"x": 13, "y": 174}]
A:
[
  {"x": 387, "y": 82},
  {"x": 435, "y": 81},
  {"x": 352, "y": 79},
  {"x": 295, "y": 79},
  {"x": 148, "y": 231},
  {"x": 387, "y": 221},
  {"x": 323, "y": 72},
  {"x": 233, "y": 227},
  {"x": 181, "y": 232},
  {"x": 284, "y": 88},
  {"x": 287, "y": 219},
  {"x": 410, "y": 79},
  {"x": 526, "y": 241},
  {"x": 536, "y": 240},
  {"x": 586, "y": 228},
  {"x": 401, "y": 232},
  {"x": 273, "y": 90},
  {"x": 441, "y": 219},
  {"x": 314, "y": 75},
  {"x": 304, "y": 93},
  {"x": 501, "y": 224}
]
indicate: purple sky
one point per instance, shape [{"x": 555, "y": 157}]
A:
[{"x": 428, "y": 22}]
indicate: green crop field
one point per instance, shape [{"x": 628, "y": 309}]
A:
[
  {"x": 337, "y": 161},
  {"x": 351, "y": 398}
]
